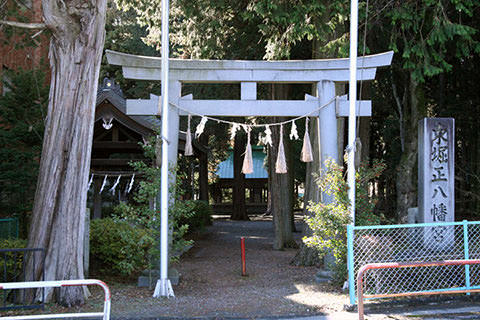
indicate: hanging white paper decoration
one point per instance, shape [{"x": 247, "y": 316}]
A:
[
  {"x": 201, "y": 127},
  {"x": 107, "y": 122},
  {"x": 268, "y": 135},
  {"x": 104, "y": 183},
  {"x": 247, "y": 160},
  {"x": 188, "y": 142},
  {"x": 294, "y": 132},
  {"x": 233, "y": 130},
  {"x": 306, "y": 155},
  {"x": 130, "y": 185},
  {"x": 281, "y": 164},
  {"x": 90, "y": 182},
  {"x": 112, "y": 189}
]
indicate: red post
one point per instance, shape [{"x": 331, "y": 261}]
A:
[{"x": 244, "y": 264}]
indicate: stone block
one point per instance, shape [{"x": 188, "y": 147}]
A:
[{"x": 149, "y": 278}]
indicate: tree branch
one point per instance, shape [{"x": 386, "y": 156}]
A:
[{"x": 24, "y": 25}]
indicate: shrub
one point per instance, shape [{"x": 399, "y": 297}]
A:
[
  {"x": 328, "y": 221},
  {"x": 140, "y": 212},
  {"x": 201, "y": 215},
  {"x": 117, "y": 247},
  {"x": 14, "y": 261}
]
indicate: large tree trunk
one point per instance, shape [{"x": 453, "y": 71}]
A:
[
  {"x": 309, "y": 256},
  {"x": 203, "y": 170},
  {"x": 78, "y": 33},
  {"x": 239, "y": 209},
  {"x": 281, "y": 191},
  {"x": 412, "y": 109}
]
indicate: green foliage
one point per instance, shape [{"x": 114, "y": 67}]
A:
[
  {"x": 117, "y": 247},
  {"x": 13, "y": 261},
  {"x": 201, "y": 215},
  {"x": 141, "y": 212},
  {"x": 328, "y": 221},
  {"x": 428, "y": 34},
  {"x": 124, "y": 34},
  {"x": 22, "y": 112}
]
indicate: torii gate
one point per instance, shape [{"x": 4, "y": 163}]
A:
[{"x": 324, "y": 73}]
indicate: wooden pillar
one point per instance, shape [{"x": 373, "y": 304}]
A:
[
  {"x": 239, "y": 209},
  {"x": 203, "y": 170}
]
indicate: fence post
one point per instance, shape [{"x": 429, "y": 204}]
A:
[
  {"x": 465, "y": 248},
  {"x": 350, "y": 264},
  {"x": 17, "y": 227}
]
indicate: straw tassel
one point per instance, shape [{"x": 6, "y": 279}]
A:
[
  {"x": 188, "y": 142},
  {"x": 281, "y": 165},
  {"x": 248, "y": 160},
  {"x": 306, "y": 155}
]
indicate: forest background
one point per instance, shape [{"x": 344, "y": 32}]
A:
[{"x": 433, "y": 74}]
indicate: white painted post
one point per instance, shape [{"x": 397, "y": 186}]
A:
[
  {"x": 353, "y": 98},
  {"x": 328, "y": 121},
  {"x": 248, "y": 91},
  {"x": 175, "y": 91},
  {"x": 328, "y": 139},
  {"x": 163, "y": 287}
]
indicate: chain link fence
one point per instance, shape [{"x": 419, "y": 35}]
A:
[{"x": 413, "y": 243}]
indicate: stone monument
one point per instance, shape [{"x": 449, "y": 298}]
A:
[{"x": 436, "y": 185}]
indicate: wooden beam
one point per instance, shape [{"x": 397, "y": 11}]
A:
[
  {"x": 234, "y": 108},
  {"x": 116, "y": 145},
  {"x": 114, "y": 162},
  {"x": 229, "y": 76},
  {"x": 218, "y": 71},
  {"x": 130, "y": 60},
  {"x": 364, "y": 108}
]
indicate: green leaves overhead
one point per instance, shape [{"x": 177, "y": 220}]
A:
[{"x": 428, "y": 34}]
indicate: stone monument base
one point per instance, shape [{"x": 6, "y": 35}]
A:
[{"x": 150, "y": 277}]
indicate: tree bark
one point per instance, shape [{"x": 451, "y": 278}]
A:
[
  {"x": 309, "y": 256},
  {"x": 239, "y": 209},
  {"x": 406, "y": 183},
  {"x": 281, "y": 192},
  {"x": 203, "y": 170},
  {"x": 78, "y": 33}
]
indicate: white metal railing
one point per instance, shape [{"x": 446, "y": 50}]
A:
[{"x": 105, "y": 315}]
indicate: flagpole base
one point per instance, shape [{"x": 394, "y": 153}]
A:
[{"x": 163, "y": 289}]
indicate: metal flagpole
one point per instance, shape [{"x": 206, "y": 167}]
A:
[
  {"x": 353, "y": 99},
  {"x": 163, "y": 287}
]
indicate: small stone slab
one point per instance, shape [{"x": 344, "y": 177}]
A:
[{"x": 150, "y": 277}]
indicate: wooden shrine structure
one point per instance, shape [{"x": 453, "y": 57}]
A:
[{"x": 116, "y": 140}]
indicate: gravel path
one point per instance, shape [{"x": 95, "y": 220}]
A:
[{"x": 211, "y": 284}]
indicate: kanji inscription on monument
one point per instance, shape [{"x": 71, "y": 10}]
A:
[{"x": 436, "y": 168}]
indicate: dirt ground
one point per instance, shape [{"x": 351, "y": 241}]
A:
[{"x": 211, "y": 285}]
